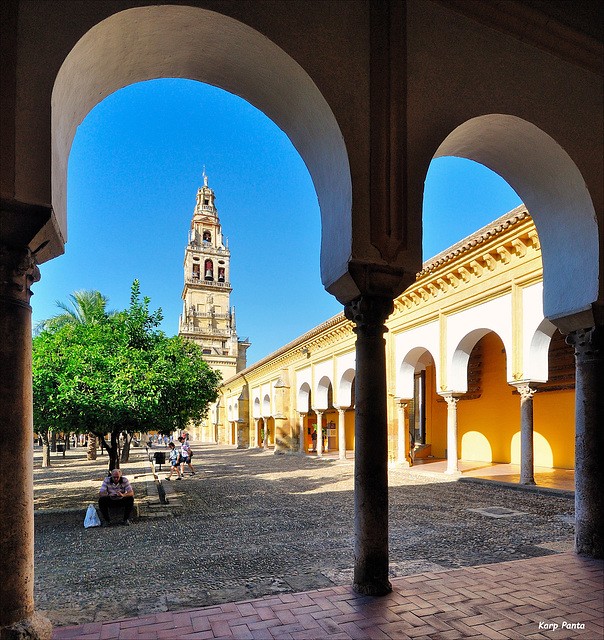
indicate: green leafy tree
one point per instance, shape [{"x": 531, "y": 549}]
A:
[
  {"x": 82, "y": 308},
  {"x": 119, "y": 376}
]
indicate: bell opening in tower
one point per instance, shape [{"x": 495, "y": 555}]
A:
[{"x": 209, "y": 270}]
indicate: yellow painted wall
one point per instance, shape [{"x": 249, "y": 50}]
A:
[
  {"x": 349, "y": 424},
  {"x": 436, "y": 416},
  {"x": 554, "y": 419},
  {"x": 486, "y": 425}
]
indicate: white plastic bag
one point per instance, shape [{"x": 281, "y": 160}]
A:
[{"x": 92, "y": 517}]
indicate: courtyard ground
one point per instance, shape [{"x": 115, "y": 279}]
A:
[{"x": 252, "y": 524}]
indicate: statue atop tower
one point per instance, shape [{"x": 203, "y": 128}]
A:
[{"x": 207, "y": 317}]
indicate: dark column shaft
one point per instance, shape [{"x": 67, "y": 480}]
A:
[
  {"x": 589, "y": 440},
  {"x": 17, "y": 272},
  {"x": 371, "y": 446}
]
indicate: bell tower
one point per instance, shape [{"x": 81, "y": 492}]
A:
[{"x": 207, "y": 317}]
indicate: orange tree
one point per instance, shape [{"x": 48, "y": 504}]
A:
[{"x": 117, "y": 376}]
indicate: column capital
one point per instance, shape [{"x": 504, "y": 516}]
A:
[
  {"x": 588, "y": 343},
  {"x": 450, "y": 398},
  {"x": 369, "y": 313},
  {"x": 18, "y": 271},
  {"x": 526, "y": 388}
]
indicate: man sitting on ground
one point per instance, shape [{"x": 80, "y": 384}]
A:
[{"x": 115, "y": 492}]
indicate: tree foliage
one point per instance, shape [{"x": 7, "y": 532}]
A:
[
  {"x": 119, "y": 374},
  {"x": 83, "y": 307}
]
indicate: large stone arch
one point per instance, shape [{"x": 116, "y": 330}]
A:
[
  {"x": 345, "y": 388},
  {"x": 406, "y": 371},
  {"x": 457, "y": 374},
  {"x": 554, "y": 191},
  {"x": 303, "y": 403},
  {"x": 322, "y": 393},
  {"x": 147, "y": 43},
  {"x": 536, "y": 365}
]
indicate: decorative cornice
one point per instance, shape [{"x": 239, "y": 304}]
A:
[{"x": 474, "y": 257}]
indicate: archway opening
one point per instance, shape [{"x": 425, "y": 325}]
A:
[{"x": 551, "y": 186}]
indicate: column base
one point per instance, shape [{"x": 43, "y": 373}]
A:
[
  {"x": 381, "y": 588},
  {"x": 453, "y": 472},
  {"x": 405, "y": 464},
  {"x": 530, "y": 481},
  {"x": 37, "y": 627}
]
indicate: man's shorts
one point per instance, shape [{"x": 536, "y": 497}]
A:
[{"x": 185, "y": 459}]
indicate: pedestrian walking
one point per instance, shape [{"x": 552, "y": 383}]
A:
[
  {"x": 185, "y": 456},
  {"x": 174, "y": 462}
]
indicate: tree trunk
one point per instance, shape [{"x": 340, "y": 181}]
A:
[
  {"x": 126, "y": 448},
  {"x": 45, "y": 449},
  {"x": 67, "y": 437},
  {"x": 91, "y": 452},
  {"x": 53, "y": 441},
  {"x": 113, "y": 451}
]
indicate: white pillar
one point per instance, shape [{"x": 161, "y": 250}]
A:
[
  {"x": 319, "y": 433},
  {"x": 527, "y": 465},
  {"x": 403, "y": 434},
  {"x": 452, "y": 459},
  {"x": 342, "y": 433},
  {"x": 302, "y": 435}
]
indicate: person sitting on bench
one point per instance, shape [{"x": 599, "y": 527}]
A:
[{"x": 115, "y": 492}]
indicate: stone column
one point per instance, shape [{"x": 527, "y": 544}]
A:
[
  {"x": 589, "y": 439},
  {"x": 319, "y": 432},
  {"x": 302, "y": 434},
  {"x": 257, "y": 433},
  {"x": 452, "y": 459},
  {"x": 265, "y": 422},
  {"x": 527, "y": 464},
  {"x": 371, "y": 445},
  {"x": 342, "y": 434},
  {"x": 18, "y": 271},
  {"x": 404, "y": 456}
]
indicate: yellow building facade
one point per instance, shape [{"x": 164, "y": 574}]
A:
[{"x": 468, "y": 338}]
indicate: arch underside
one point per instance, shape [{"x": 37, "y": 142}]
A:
[
  {"x": 187, "y": 42},
  {"x": 554, "y": 191}
]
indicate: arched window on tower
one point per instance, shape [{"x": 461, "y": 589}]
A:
[
  {"x": 196, "y": 271},
  {"x": 207, "y": 236},
  {"x": 209, "y": 270},
  {"x": 220, "y": 274}
]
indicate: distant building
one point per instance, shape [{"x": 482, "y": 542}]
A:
[
  {"x": 468, "y": 339},
  {"x": 207, "y": 317}
]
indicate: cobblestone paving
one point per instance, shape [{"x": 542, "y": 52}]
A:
[{"x": 251, "y": 524}]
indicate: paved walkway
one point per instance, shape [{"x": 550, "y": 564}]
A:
[
  {"x": 268, "y": 550},
  {"x": 545, "y": 477},
  {"x": 549, "y": 597}
]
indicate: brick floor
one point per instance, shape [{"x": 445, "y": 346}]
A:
[{"x": 519, "y": 599}]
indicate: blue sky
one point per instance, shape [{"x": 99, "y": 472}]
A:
[{"x": 135, "y": 166}]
